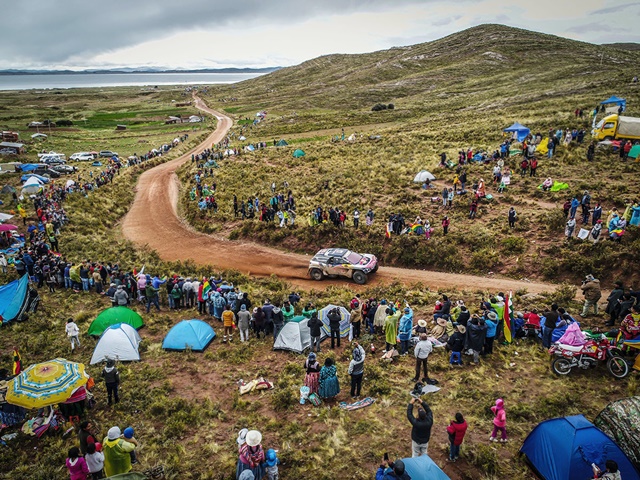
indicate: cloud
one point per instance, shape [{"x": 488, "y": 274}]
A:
[
  {"x": 446, "y": 21},
  {"x": 615, "y": 8},
  {"x": 592, "y": 27}
]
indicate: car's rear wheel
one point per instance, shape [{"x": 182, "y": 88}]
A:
[
  {"x": 316, "y": 274},
  {"x": 359, "y": 277}
]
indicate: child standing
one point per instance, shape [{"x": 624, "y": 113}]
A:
[
  {"x": 456, "y": 430},
  {"x": 76, "y": 465},
  {"x": 95, "y": 461},
  {"x": 72, "y": 332},
  {"x": 272, "y": 465},
  {"x": 499, "y": 422}
]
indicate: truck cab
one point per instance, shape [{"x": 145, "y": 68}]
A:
[{"x": 613, "y": 127}]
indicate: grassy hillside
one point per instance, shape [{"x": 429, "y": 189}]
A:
[{"x": 455, "y": 93}]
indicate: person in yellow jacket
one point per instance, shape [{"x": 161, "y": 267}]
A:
[
  {"x": 228, "y": 321},
  {"x": 116, "y": 452}
]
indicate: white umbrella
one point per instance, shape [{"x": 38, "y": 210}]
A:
[{"x": 423, "y": 176}]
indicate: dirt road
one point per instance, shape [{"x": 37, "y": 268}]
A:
[{"x": 153, "y": 220}]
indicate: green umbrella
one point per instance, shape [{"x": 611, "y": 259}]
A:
[{"x": 112, "y": 316}]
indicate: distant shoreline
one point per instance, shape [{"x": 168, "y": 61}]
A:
[{"x": 146, "y": 72}]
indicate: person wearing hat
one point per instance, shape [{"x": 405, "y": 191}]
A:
[
  {"x": 491, "y": 320},
  {"x": 252, "y": 455},
  {"x": 405, "y": 327},
  {"x": 421, "y": 327},
  {"x": 591, "y": 291},
  {"x": 613, "y": 304},
  {"x": 112, "y": 380},
  {"x": 312, "y": 378},
  {"x": 116, "y": 453},
  {"x": 241, "y": 440},
  {"x": 271, "y": 468},
  {"x": 243, "y": 323},
  {"x": 421, "y": 351},
  {"x": 392, "y": 471},
  {"x": 456, "y": 344},
  {"x": 439, "y": 331}
]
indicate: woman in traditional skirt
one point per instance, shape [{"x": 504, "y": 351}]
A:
[{"x": 312, "y": 378}]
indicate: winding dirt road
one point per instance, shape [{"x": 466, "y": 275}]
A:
[{"x": 153, "y": 221}]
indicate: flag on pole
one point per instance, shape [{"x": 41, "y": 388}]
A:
[
  {"x": 507, "y": 318},
  {"x": 387, "y": 233},
  {"x": 206, "y": 288},
  {"x": 17, "y": 362}
]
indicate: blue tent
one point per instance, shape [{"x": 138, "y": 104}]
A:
[
  {"x": 613, "y": 100},
  {"x": 193, "y": 334},
  {"x": 565, "y": 448},
  {"x": 423, "y": 468},
  {"x": 520, "y": 130},
  {"x": 15, "y": 300}
]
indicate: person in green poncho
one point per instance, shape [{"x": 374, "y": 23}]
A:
[
  {"x": 287, "y": 311},
  {"x": 116, "y": 452},
  {"x": 390, "y": 327},
  {"x": 308, "y": 310}
]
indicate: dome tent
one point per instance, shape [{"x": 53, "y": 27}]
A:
[
  {"x": 423, "y": 468},
  {"x": 564, "y": 448},
  {"x": 17, "y": 298},
  {"x": 299, "y": 153},
  {"x": 295, "y": 336},
  {"x": 118, "y": 342},
  {"x": 621, "y": 421},
  {"x": 189, "y": 334},
  {"x": 112, "y": 316}
]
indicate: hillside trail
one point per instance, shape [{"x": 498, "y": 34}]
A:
[{"x": 153, "y": 221}]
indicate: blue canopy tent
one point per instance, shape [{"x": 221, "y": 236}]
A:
[
  {"x": 565, "y": 448},
  {"x": 423, "y": 468},
  {"x": 16, "y": 298},
  {"x": 520, "y": 130},
  {"x": 613, "y": 100},
  {"x": 193, "y": 334}
]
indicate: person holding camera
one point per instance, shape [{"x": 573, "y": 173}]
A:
[
  {"x": 391, "y": 470},
  {"x": 421, "y": 426},
  {"x": 334, "y": 317}
]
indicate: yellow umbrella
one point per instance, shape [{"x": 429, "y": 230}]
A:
[{"x": 47, "y": 383}]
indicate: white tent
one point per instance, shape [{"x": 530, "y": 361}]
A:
[
  {"x": 31, "y": 186},
  {"x": 38, "y": 135},
  {"x": 4, "y": 217},
  {"x": 242, "y": 138},
  {"x": 118, "y": 342},
  {"x": 69, "y": 183},
  {"x": 423, "y": 176},
  {"x": 229, "y": 152},
  {"x": 295, "y": 336},
  {"x": 352, "y": 137}
]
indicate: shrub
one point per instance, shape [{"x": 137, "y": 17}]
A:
[
  {"x": 391, "y": 106},
  {"x": 379, "y": 106},
  {"x": 514, "y": 245}
]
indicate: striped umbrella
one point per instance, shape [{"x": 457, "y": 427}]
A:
[
  {"x": 345, "y": 316},
  {"x": 47, "y": 383}
]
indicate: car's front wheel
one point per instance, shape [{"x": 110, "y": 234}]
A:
[
  {"x": 359, "y": 277},
  {"x": 316, "y": 274}
]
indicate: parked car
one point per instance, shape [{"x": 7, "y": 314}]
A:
[
  {"x": 45, "y": 171},
  {"x": 53, "y": 160},
  {"x": 81, "y": 157},
  {"x": 64, "y": 169},
  {"x": 340, "y": 262},
  {"x": 108, "y": 154}
]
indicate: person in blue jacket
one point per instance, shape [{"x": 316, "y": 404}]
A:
[
  {"x": 404, "y": 330},
  {"x": 218, "y": 305},
  {"x": 491, "y": 319},
  {"x": 575, "y": 203},
  {"x": 392, "y": 471}
]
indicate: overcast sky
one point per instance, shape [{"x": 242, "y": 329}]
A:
[{"x": 263, "y": 33}]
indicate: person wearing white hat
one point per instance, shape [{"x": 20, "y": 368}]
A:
[
  {"x": 241, "y": 440},
  {"x": 116, "y": 453},
  {"x": 252, "y": 455}
]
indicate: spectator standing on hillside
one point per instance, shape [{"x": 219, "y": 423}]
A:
[
  {"x": 445, "y": 224},
  {"x": 421, "y": 427},
  {"x": 369, "y": 219},
  {"x": 591, "y": 291},
  {"x": 356, "y": 218},
  {"x": 334, "y": 318},
  {"x": 72, "y": 332},
  {"x": 112, "y": 381},
  {"x": 570, "y": 227},
  {"x": 512, "y": 217},
  {"x": 456, "y": 431}
]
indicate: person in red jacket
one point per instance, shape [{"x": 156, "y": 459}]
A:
[{"x": 456, "y": 430}]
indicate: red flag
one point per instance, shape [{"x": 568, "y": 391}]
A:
[
  {"x": 507, "y": 318},
  {"x": 17, "y": 362},
  {"x": 387, "y": 233}
]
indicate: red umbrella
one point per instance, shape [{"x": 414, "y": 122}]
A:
[{"x": 5, "y": 227}]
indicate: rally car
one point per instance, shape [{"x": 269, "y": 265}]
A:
[{"x": 340, "y": 262}]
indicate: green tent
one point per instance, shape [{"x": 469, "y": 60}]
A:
[
  {"x": 635, "y": 151},
  {"x": 282, "y": 143},
  {"x": 298, "y": 319},
  {"x": 298, "y": 153},
  {"x": 114, "y": 315}
]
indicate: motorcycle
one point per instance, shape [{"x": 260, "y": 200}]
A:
[{"x": 588, "y": 356}]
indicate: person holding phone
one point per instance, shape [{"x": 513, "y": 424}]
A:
[{"x": 391, "y": 470}]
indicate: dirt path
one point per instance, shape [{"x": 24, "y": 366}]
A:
[{"x": 153, "y": 221}]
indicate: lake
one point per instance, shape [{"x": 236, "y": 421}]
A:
[{"x": 85, "y": 80}]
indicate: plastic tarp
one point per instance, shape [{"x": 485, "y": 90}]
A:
[
  {"x": 345, "y": 326},
  {"x": 118, "y": 342},
  {"x": 628, "y": 127},
  {"x": 422, "y": 176},
  {"x": 565, "y": 448},
  {"x": 195, "y": 335},
  {"x": 557, "y": 186},
  {"x": 542, "y": 146},
  {"x": 621, "y": 421},
  {"x": 635, "y": 151},
  {"x": 613, "y": 100},
  {"x": 299, "y": 153},
  {"x": 28, "y": 167},
  {"x": 520, "y": 130},
  {"x": 112, "y": 316},
  {"x": 13, "y": 298},
  {"x": 423, "y": 468},
  {"x": 295, "y": 337}
]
